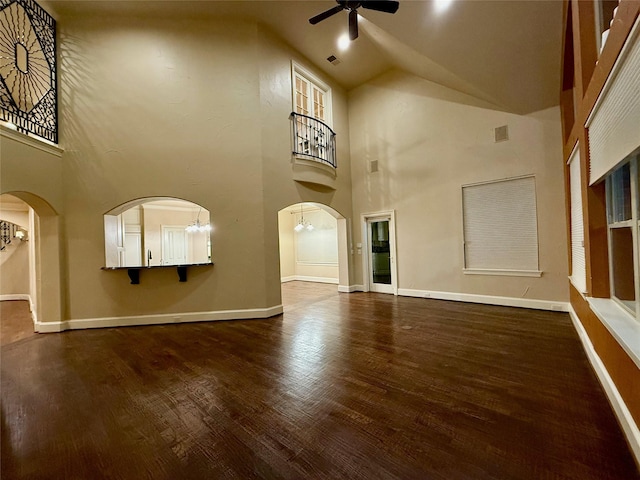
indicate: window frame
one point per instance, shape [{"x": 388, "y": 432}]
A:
[
  {"x": 632, "y": 223},
  {"x": 298, "y": 70},
  {"x": 514, "y": 270},
  {"x": 602, "y": 24}
]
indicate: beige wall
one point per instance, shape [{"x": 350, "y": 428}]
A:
[
  {"x": 429, "y": 141},
  {"x": 160, "y": 107},
  {"x": 279, "y": 190},
  {"x": 14, "y": 259},
  {"x": 198, "y": 110},
  {"x": 26, "y": 168},
  {"x": 287, "y": 244},
  {"x": 192, "y": 109},
  {"x": 156, "y": 218},
  {"x": 14, "y": 270},
  {"x": 14, "y": 210},
  {"x": 32, "y": 171}
]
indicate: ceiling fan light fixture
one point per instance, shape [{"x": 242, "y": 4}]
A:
[
  {"x": 441, "y": 6},
  {"x": 387, "y": 6},
  {"x": 353, "y": 24},
  {"x": 343, "y": 42}
]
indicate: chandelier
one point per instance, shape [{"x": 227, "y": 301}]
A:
[
  {"x": 197, "y": 227},
  {"x": 302, "y": 224}
]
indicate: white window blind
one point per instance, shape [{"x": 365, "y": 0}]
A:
[
  {"x": 578, "y": 268},
  {"x": 500, "y": 227},
  {"x": 614, "y": 127}
]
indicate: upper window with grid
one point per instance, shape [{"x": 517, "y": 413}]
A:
[
  {"x": 311, "y": 96},
  {"x": 313, "y": 138}
]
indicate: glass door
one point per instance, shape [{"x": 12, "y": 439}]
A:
[{"x": 380, "y": 258}]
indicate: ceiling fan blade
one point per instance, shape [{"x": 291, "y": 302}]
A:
[
  {"x": 325, "y": 15},
  {"x": 353, "y": 24},
  {"x": 388, "y": 6}
]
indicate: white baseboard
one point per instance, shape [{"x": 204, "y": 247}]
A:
[
  {"x": 16, "y": 296},
  {"x": 161, "y": 319},
  {"x": 629, "y": 427},
  {"x": 304, "y": 278},
  {"x": 350, "y": 288},
  {"x": 487, "y": 299}
]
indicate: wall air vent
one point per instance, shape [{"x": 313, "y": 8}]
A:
[
  {"x": 333, "y": 60},
  {"x": 501, "y": 134}
]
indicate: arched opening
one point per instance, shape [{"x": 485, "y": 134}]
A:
[
  {"x": 17, "y": 268},
  {"x": 157, "y": 231},
  {"x": 313, "y": 248},
  {"x": 31, "y": 264}
]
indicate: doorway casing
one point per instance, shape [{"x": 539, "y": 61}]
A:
[{"x": 366, "y": 220}]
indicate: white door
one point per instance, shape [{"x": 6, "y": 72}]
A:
[
  {"x": 380, "y": 254},
  {"x": 133, "y": 249},
  {"x": 174, "y": 246}
]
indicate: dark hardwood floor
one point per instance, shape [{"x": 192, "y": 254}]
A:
[
  {"x": 342, "y": 386},
  {"x": 15, "y": 321}
]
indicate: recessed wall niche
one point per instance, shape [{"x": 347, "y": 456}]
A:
[{"x": 156, "y": 232}]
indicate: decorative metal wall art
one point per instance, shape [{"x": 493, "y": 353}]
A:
[
  {"x": 10, "y": 231},
  {"x": 28, "y": 91},
  {"x": 6, "y": 234}
]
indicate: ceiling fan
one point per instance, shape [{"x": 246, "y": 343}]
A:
[{"x": 388, "y": 6}]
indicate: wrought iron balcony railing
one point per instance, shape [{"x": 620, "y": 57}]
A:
[{"x": 313, "y": 139}]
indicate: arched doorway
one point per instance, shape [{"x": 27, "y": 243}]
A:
[
  {"x": 17, "y": 269},
  {"x": 313, "y": 246},
  {"x": 41, "y": 246}
]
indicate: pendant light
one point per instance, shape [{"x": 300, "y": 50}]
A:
[
  {"x": 196, "y": 226},
  {"x": 302, "y": 224}
]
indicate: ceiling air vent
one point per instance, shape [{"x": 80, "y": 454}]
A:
[
  {"x": 333, "y": 60},
  {"x": 501, "y": 134}
]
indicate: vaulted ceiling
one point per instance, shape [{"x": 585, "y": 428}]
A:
[{"x": 504, "y": 51}]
